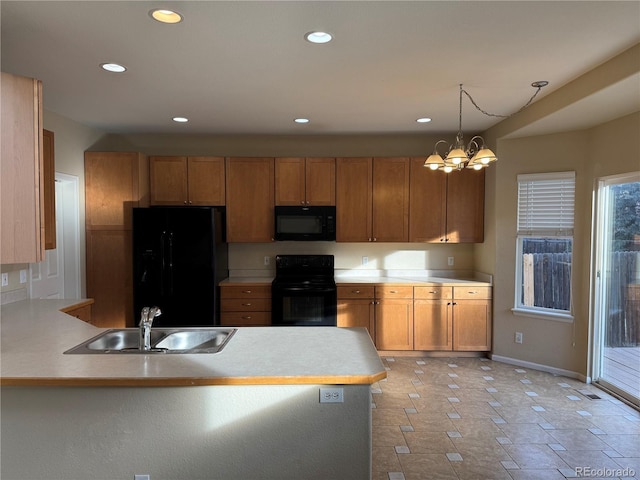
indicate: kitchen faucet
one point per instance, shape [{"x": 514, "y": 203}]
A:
[{"x": 146, "y": 320}]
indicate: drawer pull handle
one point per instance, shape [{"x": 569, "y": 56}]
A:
[
  {"x": 355, "y": 291},
  {"x": 393, "y": 291},
  {"x": 246, "y": 317},
  {"x": 472, "y": 293},
  {"x": 433, "y": 292},
  {"x": 246, "y": 291},
  {"x": 246, "y": 304}
]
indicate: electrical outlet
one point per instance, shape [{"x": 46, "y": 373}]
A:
[
  {"x": 141, "y": 477},
  {"x": 331, "y": 395},
  {"x": 518, "y": 337},
  {"x": 365, "y": 260},
  {"x": 23, "y": 276},
  {"x": 5, "y": 279},
  {"x": 267, "y": 260},
  {"x": 450, "y": 261}
]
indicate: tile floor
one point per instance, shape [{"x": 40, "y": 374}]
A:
[{"x": 475, "y": 419}]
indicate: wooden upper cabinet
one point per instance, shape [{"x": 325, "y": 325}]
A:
[
  {"x": 427, "y": 203},
  {"x": 114, "y": 183},
  {"x": 250, "y": 199},
  {"x": 305, "y": 181},
  {"x": 465, "y": 206},
  {"x": 354, "y": 199},
  {"x": 49, "y": 177},
  {"x": 391, "y": 199},
  {"x": 187, "y": 180},
  {"x": 21, "y": 182},
  {"x": 446, "y": 207}
]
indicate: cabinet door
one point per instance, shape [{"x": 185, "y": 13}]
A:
[
  {"x": 290, "y": 181},
  {"x": 168, "y": 180},
  {"x": 357, "y": 312},
  {"x": 21, "y": 193},
  {"x": 472, "y": 325},
  {"x": 49, "y": 185},
  {"x": 114, "y": 183},
  {"x": 250, "y": 199},
  {"x": 432, "y": 323},
  {"x": 354, "y": 199},
  {"x": 394, "y": 324},
  {"x": 206, "y": 180},
  {"x": 427, "y": 203},
  {"x": 110, "y": 277},
  {"x": 465, "y": 206},
  {"x": 391, "y": 200},
  {"x": 320, "y": 181}
]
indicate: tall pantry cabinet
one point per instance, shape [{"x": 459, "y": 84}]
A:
[{"x": 115, "y": 182}]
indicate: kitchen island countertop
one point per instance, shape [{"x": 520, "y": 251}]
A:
[{"x": 35, "y": 333}]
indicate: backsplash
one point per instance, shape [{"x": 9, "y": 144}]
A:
[{"x": 248, "y": 259}]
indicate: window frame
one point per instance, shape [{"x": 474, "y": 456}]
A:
[{"x": 542, "y": 233}]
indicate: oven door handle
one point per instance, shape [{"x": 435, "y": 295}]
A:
[{"x": 305, "y": 289}]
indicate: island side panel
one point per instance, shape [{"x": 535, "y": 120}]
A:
[{"x": 231, "y": 432}]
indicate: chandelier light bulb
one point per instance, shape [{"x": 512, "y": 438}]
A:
[{"x": 433, "y": 166}]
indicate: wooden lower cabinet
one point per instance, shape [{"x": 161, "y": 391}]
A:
[
  {"x": 246, "y": 305},
  {"x": 425, "y": 318},
  {"x": 432, "y": 318},
  {"x": 81, "y": 311},
  {"x": 356, "y": 307},
  {"x": 472, "y": 319}
]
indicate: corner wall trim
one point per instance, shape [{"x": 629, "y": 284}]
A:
[{"x": 543, "y": 368}]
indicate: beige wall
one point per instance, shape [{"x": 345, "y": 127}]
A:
[{"x": 601, "y": 151}]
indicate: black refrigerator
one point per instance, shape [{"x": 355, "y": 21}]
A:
[{"x": 179, "y": 257}]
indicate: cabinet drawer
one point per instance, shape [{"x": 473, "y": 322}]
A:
[
  {"x": 245, "y": 319},
  {"x": 471, "y": 292},
  {"x": 246, "y": 291},
  {"x": 355, "y": 291},
  {"x": 436, "y": 293},
  {"x": 246, "y": 305},
  {"x": 394, "y": 292}
]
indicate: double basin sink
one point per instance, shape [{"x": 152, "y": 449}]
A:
[{"x": 163, "y": 340}]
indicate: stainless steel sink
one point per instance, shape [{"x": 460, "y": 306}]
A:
[{"x": 163, "y": 340}]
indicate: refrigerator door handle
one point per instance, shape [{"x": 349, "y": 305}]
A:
[
  {"x": 163, "y": 258},
  {"x": 170, "y": 263}
]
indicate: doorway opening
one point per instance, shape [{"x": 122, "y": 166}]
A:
[{"x": 58, "y": 275}]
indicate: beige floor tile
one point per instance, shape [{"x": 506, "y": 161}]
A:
[
  {"x": 427, "y": 467},
  {"x": 389, "y": 416},
  {"x": 525, "y": 433},
  {"x": 385, "y": 460},
  {"x": 588, "y": 458},
  {"x": 387, "y": 436},
  {"x": 428, "y": 442},
  {"x": 431, "y": 422},
  {"x": 534, "y": 456},
  {"x": 549, "y": 474},
  {"x": 626, "y": 445},
  {"x": 578, "y": 440},
  {"x": 477, "y": 469}
]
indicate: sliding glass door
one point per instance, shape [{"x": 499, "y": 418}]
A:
[{"x": 617, "y": 287}]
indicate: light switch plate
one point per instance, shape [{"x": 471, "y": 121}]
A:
[
  {"x": 23, "y": 276},
  {"x": 5, "y": 279}
]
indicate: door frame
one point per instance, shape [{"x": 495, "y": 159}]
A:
[{"x": 597, "y": 303}]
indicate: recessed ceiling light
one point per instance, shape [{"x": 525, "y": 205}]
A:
[
  {"x": 318, "y": 37},
  {"x": 165, "y": 16},
  {"x": 423, "y": 120},
  {"x": 113, "y": 67},
  {"x": 301, "y": 120},
  {"x": 180, "y": 119}
]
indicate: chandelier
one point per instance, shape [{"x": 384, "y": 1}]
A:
[{"x": 475, "y": 155}]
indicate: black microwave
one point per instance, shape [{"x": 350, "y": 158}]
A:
[{"x": 305, "y": 223}]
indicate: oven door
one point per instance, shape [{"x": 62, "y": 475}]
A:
[{"x": 304, "y": 305}]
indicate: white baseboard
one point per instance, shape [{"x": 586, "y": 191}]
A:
[{"x": 542, "y": 368}]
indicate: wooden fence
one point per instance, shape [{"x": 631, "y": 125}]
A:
[{"x": 546, "y": 283}]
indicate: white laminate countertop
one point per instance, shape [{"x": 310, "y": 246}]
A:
[{"x": 35, "y": 334}]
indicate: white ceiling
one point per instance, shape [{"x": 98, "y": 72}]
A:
[{"x": 240, "y": 67}]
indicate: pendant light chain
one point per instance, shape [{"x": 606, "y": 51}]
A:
[{"x": 537, "y": 85}]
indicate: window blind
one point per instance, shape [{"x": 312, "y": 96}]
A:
[{"x": 546, "y": 204}]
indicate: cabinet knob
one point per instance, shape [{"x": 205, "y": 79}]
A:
[
  {"x": 246, "y": 304},
  {"x": 357, "y": 292},
  {"x": 246, "y": 291},
  {"x": 185, "y": 202},
  {"x": 375, "y": 239},
  {"x": 432, "y": 292},
  {"x": 246, "y": 317},
  {"x": 393, "y": 291}
]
